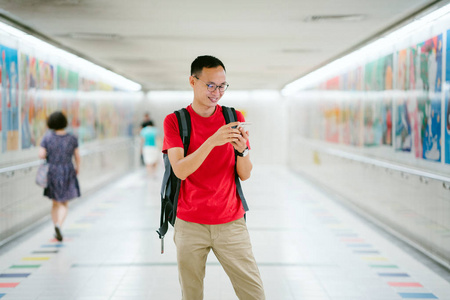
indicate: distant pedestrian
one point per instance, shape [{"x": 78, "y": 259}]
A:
[
  {"x": 150, "y": 153},
  {"x": 143, "y": 124},
  {"x": 59, "y": 147},
  {"x": 146, "y": 120}
]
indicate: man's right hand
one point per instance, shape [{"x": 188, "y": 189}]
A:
[
  {"x": 225, "y": 134},
  {"x": 185, "y": 166}
]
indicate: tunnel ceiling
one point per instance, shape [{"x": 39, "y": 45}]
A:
[{"x": 264, "y": 44}]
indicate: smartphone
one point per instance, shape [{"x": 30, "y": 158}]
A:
[{"x": 245, "y": 125}]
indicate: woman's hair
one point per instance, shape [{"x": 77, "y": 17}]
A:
[{"x": 57, "y": 121}]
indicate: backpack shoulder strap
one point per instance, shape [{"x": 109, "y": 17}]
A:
[
  {"x": 229, "y": 113},
  {"x": 184, "y": 125},
  {"x": 171, "y": 185}
]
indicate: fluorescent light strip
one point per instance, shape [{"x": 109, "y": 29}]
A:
[
  {"x": 335, "y": 68},
  {"x": 82, "y": 64}
]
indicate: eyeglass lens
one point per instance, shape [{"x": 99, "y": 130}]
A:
[{"x": 212, "y": 86}]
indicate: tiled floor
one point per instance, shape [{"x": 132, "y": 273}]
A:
[{"x": 307, "y": 247}]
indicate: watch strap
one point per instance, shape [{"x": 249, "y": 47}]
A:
[{"x": 243, "y": 153}]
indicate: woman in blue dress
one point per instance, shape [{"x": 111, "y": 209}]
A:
[{"x": 59, "y": 147}]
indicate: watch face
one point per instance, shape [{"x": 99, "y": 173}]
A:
[{"x": 243, "y": 153}]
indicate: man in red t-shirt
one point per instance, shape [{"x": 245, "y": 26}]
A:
[{"x": 210, "y": 213}]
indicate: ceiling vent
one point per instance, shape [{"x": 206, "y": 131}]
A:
[
  {"x": 92, "y": 36},
  {"x": 338, "y": 18}
]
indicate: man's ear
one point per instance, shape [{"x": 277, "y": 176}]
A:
[{"x": 191, "y": 81}]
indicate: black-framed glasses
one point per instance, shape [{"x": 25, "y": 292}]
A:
[{"x": 212, "y": 86}]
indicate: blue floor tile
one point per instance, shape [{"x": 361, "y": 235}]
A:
[
  {"x": 14, "y": 275},
  {"x": 417, "y": 296}
]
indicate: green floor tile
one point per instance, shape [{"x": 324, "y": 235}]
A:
[{"x": 24, "y": 266}]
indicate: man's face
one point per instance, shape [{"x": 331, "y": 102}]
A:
[{"x": 202, "y": 95}]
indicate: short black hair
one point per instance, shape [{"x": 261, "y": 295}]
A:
[
  {"x": 57, "y": 121},
  {"x": 147, "y": 123},
  {"x": 205, "y": 61}
]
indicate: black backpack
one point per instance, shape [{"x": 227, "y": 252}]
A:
[{"x": 171, "y": 184}]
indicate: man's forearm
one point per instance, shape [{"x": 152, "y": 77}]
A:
[
  {"x": 185, "y": 166},
  {"x": 244, "y": 167}
]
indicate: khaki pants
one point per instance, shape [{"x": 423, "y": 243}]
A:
[{"x": 230, "y": 243}]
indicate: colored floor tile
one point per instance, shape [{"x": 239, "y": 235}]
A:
[
  {"x": 417, "y": 296},
  {"x": 14, "y": 275},
  {"x": 35, "y": 258},
  {"x": 405, "y": 284},
  {"x": 366, "y": 251},
  {"x": 67, "y": 238},
  {"x": 24, "y": 266},
  {"x": 393, "y": 275},
  {"x": 53, "y": 246},
  {"x": 384, "y": 266},
  {"x": 45, "y": 252},
  {"x": 8, "y": 284}
]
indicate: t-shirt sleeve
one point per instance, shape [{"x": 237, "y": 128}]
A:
[
  {"x": 172, "y": 137},
  {"x": 241, "y": 118}
]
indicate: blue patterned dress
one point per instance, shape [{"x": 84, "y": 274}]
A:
[{"x": 62, "y": 178}]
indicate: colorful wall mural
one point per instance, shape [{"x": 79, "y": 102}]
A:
[
  {"x": 10, "y": 100},
  {"x": 32, "y": 88},
  {"x": 396, "y": 100}
]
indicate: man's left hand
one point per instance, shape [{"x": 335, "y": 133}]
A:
[{"x": 241, "y": 143}]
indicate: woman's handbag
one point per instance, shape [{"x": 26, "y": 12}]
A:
[{"x": 41, "y": 175}]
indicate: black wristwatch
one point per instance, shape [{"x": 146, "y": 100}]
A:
[{"x": 243, "y": 154}]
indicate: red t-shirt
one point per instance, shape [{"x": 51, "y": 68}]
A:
[{"x": 207, "y": 196}]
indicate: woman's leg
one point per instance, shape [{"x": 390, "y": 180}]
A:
[
  {"x": 65, "y": 210},
  {"x": 59, "y": 212}
]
